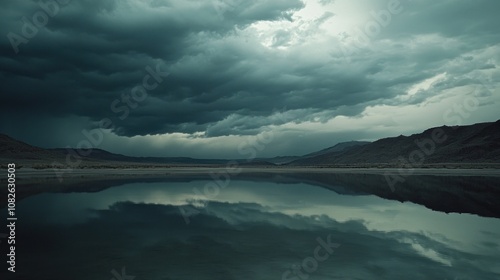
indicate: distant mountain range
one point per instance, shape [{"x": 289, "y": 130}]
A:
[
  {"x": 339, "y": 148},
  {"x": 22, "y": 153},
  {"x": 283, "y": 160},
  {"x": 478, "y": 143},
  {"x": 471, "y": 144}
]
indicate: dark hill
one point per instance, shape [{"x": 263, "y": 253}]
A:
[
  {"x": 23, "y": 154},
  {"x": 11, "y": 149},
  {"x": 478, "y": 143}
]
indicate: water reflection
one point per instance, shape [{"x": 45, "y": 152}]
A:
[
  {"x": 250, "y": 230},
  {"x": 451, "y": 194}
]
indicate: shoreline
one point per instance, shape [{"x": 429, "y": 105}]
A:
[
  {"x": 160, "y": 171},
  {"x": 474, "y": 189}
]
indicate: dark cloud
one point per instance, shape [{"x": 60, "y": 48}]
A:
[{"x": 228, "y": 75}]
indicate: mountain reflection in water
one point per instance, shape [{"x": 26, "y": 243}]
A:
[{"x": 260, "y": 227}]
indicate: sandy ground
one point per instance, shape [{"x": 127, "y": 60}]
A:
[{"x": 51, "y": 173}]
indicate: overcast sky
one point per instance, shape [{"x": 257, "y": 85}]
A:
[{"x": 208, "y": 78}]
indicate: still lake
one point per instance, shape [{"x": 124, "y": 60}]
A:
[{"x": 179, "y": 229}]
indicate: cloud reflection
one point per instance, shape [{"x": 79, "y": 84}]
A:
[{"x": 235, "y": 239}]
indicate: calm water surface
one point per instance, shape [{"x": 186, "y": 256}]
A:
[{"x": 248, "y": 230}]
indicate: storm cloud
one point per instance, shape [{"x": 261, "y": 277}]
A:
[{"x": 310, "y": 71}]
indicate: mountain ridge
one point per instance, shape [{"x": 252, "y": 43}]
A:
[{"x": 476, "y": 143}]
